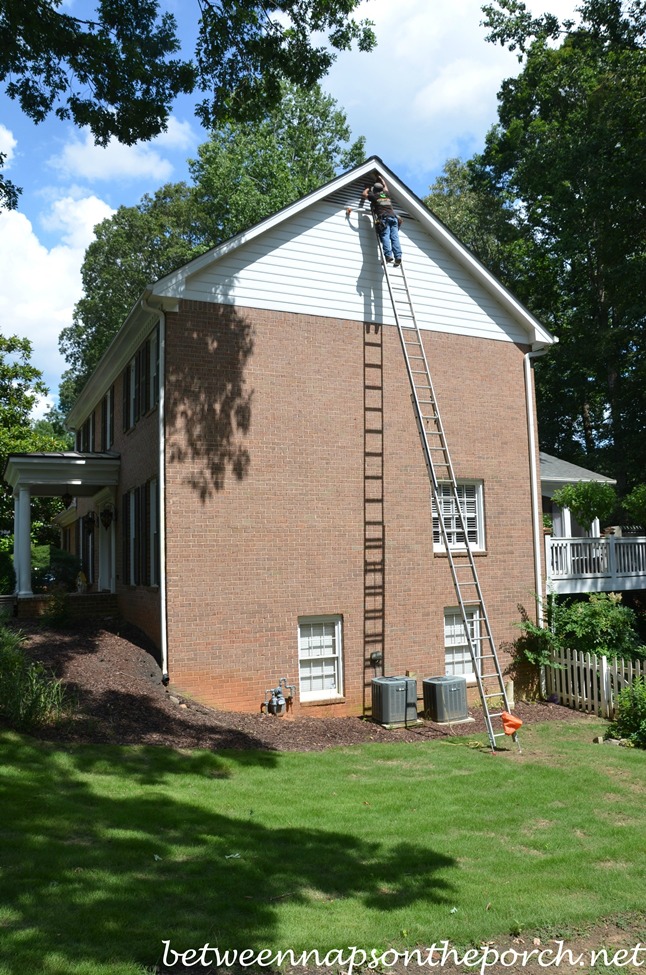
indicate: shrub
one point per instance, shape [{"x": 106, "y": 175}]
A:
[
  {"x": 7, "y": 574},
  {"x": 630, "y": 716},
  {"x": 599, "y": 625},
  {"x": 537, "y": 644},
  {"x": 58, "y": 608},
  {"x": 53, "y": 567},
  {"x": 29, "y": 696},
  {"x": 635, "y": 504}
]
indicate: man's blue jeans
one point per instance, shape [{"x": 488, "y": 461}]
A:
[{"x": 389, "y": 237}]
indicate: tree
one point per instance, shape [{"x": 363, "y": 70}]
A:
[
  {"x": 634, "y": 504},
  {"x": 246, "y": 171},
  {"x": 587, "y": 500},
  {"x": 569, "y": 147},
  {"x": 133, "y": 247},
  {"x": 249, "y": 170},
  {"x": 20, "y": 386},
  {"x": 483, "y": 218},
  {"x": 9, "y": 192},
  {"x": 118, "y": 73}
]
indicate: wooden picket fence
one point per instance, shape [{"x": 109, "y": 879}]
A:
[{"x": 586, "y": 682}]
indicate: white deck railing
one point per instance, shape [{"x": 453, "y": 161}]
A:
[{"x": 595, "y": 564}]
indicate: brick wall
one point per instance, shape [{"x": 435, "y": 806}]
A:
[
  {"x": 265, "y": 496},
  {"x": 139, "y": 452}
]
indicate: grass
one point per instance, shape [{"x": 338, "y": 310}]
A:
[{"x": 107, "y": 851}]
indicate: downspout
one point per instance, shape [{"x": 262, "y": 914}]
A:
[
  {"x": 534, "y": 479},
  {"x": 162, "y": 485}
]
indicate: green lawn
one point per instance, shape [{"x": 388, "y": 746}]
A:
[{"x": 105, "y": 852}]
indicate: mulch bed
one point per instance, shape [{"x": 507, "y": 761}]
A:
[{"x": 110, "y": 671}]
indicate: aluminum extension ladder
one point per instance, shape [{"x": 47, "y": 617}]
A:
[{"x": 482, "y": 647}]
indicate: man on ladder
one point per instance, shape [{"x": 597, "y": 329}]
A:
[{"x": 386, "y": 220}]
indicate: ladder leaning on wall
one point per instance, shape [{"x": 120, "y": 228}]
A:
[{"x": 475, "y": 620}]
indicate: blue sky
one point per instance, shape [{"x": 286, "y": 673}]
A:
[{"x": 428, "y": 92}]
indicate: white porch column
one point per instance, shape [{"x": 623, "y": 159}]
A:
[
  {"x": 567, "y": 523},
  {"x": 22, "y": 543},
  {"x": 16, "y": 533}
]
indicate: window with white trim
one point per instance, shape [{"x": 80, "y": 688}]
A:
[
  {"x": 320, "y": 657},
  {"x": 471, "y": 501},
  {"x": 107, "y": 419},
  {"x": 153, "y": 529},
  {"x": 457, "y": 656}
]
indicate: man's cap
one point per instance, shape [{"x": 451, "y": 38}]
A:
[{"x": 377, "y": 188}]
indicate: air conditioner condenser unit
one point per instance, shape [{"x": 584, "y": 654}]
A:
[
  {"x": 445, "y": 699},
  {"x": 394, "y": 700}
]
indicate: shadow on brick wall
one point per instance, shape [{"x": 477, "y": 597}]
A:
[{"x": 208, "y": 405}]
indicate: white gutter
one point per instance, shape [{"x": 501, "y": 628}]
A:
[
  {"x": 534, "y": 480},
  {"x": 162, "y": 485}
]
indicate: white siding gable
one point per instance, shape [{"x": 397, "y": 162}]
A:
[{"x": 317, "y": 261}]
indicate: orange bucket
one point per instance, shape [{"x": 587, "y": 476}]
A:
[{"x": 510, "y": 724}]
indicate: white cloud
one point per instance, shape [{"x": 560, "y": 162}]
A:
[
  {"x": 82, "y": 159},
  {"x": 178, "y": 135},
  {"x": 75, "y": 219},
  {"x": 429, "y": 89},
  {"x": 7, "y": 144},
  {"x": 40, "y": 286}
]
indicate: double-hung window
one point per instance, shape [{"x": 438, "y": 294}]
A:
[
  {"x": 470, "y": 500},
  {"x": 458, "y": 660},
  {"x": 320, "y": 657}
]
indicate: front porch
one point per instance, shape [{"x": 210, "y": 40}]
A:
[
  {"x": 69, "y": 475},
  {"x": 610, "y": 564}
]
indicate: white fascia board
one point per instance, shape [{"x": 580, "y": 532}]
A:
[
  {"x": 173, "y": 284},
  {"x": 115, "y": 358},
  {"x": 41, "y": 470}
]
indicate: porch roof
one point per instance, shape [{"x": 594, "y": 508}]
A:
[
  {"x": 556, "y": 472},
  {"x": 67, "y": 472}
]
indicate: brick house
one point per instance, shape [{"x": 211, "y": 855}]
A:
[{"x": 249, "y": 478}]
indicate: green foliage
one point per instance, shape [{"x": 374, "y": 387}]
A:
[
  {"x": 7, "y": 573},
  {"x": 537, "y": 644},
  {"x": 132, "y": 247},
  {"x": 569, "y": 148},
  {"x": 20, "y": 386},
  {"x": 483, "y": 219},
  {"x": 58, "y": 609},
  {"x": 29, "y": 696},
  {"x": 249, "y": 170},
  {"x": 9, "y": 192},
  {"x": 245, "y": 172},
  {"x": 600, "y": 624},
  {"x": 635, "y": 504},
  {"x": 587, "y": 500},
  {"x": 117, "y": 73},
  {"x": 630, "y": 715},
  {"x": 52, "y": 568}
]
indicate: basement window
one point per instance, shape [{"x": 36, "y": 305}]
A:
[
  {"x": 457, "y": 656},
  {"x": 320, "y": 658}
]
